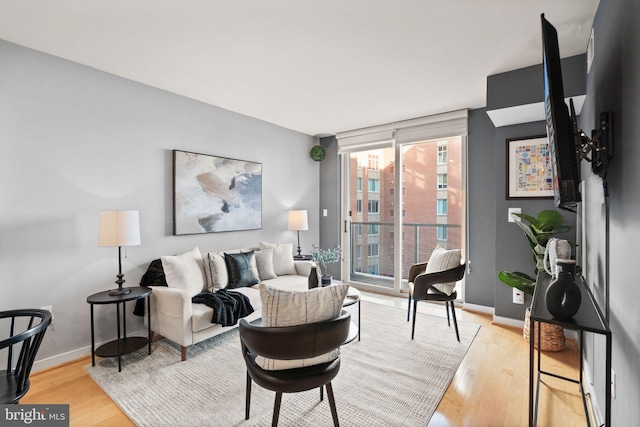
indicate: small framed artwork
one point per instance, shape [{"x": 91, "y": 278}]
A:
[
  {"x": 529, "y": 173},
  {"x": 214, "y": 194}
]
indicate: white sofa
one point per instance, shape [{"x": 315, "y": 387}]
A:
[{"x": 175, "y": 317}]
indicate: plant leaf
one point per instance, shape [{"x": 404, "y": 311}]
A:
[{"x": 518, "y": 280}]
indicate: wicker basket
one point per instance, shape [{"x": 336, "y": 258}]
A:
[{"x": 552, "y": 336}]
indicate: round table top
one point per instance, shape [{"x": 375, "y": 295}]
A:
[
  {"x": 137, "y": 292},
  {"x": 353, "y": 296}
]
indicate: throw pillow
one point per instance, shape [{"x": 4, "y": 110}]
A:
[
  {"x": 264, "y": 260},
  {"x": 290, "y": 308},
  {"x": 442, "y": 259},
  {"x": 282, "y": 257},
  {"x": 217, "y": 275},
  {"x": 242, "y": 269},
  {"x": 185, "y": 271}
]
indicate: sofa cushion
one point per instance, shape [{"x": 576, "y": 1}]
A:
[
  {"x": 216, "y": 269},
  {"x": 264, "y": 261},
  {"x": 242, "y": 269},
  {"x": 185, "y": 271},
  {"x": 442, "y": 259},
  {"x": 282, "y": 257},
  {"x": 290, "y": 308}
]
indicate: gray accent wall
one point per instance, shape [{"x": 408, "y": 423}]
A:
[
  {"x": 481, "y": 277},
  {"x": 613, "y": 84},
  {"x": 76, "y": 141},
  {"x": 330, "y": 226}
]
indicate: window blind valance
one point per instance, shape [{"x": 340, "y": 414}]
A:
[{"x": 427, "y": 128}]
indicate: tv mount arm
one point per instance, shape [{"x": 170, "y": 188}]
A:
[{"x": 599, "y": 145}]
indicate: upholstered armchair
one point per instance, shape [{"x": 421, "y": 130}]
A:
[{"x": 425, "y": 284}]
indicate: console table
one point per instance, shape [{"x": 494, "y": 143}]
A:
[
  {"x": 588, "y": 319},
  {"x": 124, "y": 345}
]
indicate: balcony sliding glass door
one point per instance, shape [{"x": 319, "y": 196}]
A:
[{"x": 416, "y": 188}]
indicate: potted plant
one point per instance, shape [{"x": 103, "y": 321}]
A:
[
  {"x": 323, "y": 257},
  {"x": 538, "y": 231}
]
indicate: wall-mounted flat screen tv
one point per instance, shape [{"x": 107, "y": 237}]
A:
[{"x": 561, "y": 125}]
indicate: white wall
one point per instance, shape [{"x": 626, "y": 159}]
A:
[{"x": 76, "y": 141}]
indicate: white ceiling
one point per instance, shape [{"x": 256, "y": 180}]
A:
[{"x": 315, "y": 66}]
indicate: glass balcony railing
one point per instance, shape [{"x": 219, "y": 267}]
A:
[{"x": 373, "y": 253}]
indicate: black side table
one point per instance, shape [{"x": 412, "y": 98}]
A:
[{"x": 122, "y": 345}]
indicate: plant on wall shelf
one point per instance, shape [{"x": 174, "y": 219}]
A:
[
  {"x": 538, "y": 231},
  {"x": 325, "y": 257}
]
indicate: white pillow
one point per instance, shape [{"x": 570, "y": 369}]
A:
[
  {"x": 185, "y": 271},
  {"x": 282, "y": 257},
  {"x": 218, "y": 278},
  {"x": 442, "y": 259},
  {"x": 290, "y": 308},
  {"x": 264, "y": 260}
]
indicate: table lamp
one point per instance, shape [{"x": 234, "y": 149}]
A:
[
  {"x": 297, "y": 222},
  {"x": 119, "y": 228}
]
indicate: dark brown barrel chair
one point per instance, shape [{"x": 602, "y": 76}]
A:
[
  {"x": 421, "y": 289},
  {"x": 293, "y": 342}
]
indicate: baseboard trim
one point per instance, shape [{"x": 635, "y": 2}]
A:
[
  {"x": 73, "y": 355},
  {"x": 478, "y": 308},
  {"x": 61, "y": 359},
  {"x": 507, "y": 321},
  {"x": 593, "y": 410}
]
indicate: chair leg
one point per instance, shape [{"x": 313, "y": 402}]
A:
[
  {"x": 409, "y": 307},
  {"x": 276, "y": 409},
  {"x": 455, "y": 322},
  {"x": 415, "y": 310},
  {"x": 248, "y": 398},
  {"x": 183, "y": 353},
  {"x": 332, "y": 404},
  {"x": 446, "y": 303},
  {"x": 321, "y": 394}
]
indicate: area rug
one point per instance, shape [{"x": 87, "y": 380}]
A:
[{"x": 386, "y": 379}]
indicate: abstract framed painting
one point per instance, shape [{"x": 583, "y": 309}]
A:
[
  {"x": 529, "y": 173},
  {"x": 215, "y": 194}
]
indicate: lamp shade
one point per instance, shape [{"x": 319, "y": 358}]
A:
[
  {"x": 298, "y": 220},
  {"x": 119, "y": 228}
]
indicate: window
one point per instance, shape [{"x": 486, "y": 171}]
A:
[
  {"x": 374, "y": 185},
  {"x": 442, "y": 207},
  {"x": 373, "y": 249},
  {"x": 374, "y": 162},
  {"x": 442, "y": 154},
  {"x": 373, "y": 206},
  {"x": 374, "y": 229},
  {"x": 358, "y": 229},
  {"x": 442, "y": 181},
  {"x": 374, "y": 269},
  {"x": 359, "y": 252},
  {"x": 359, "y": 160},
  {"x": 441, "y": 233},
  {"x": 358, "y": 206},
  {"x": 359, "y": 184}
]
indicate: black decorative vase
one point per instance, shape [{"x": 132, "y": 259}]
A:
[
  {"x": 563, "y": 297},
  {"x": 325, "y": 280},
  {"x": 313, "y": 278}
]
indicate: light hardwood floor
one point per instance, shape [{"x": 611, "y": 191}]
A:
[{"x": 489, "y": 389}]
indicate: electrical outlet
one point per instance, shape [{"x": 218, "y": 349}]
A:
[
  {"x": 518, "y": 296},
  {"x": 513, "y": 218},
  {"x": 613, "y": 384},
  {"x": 49, "y": 308}
]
